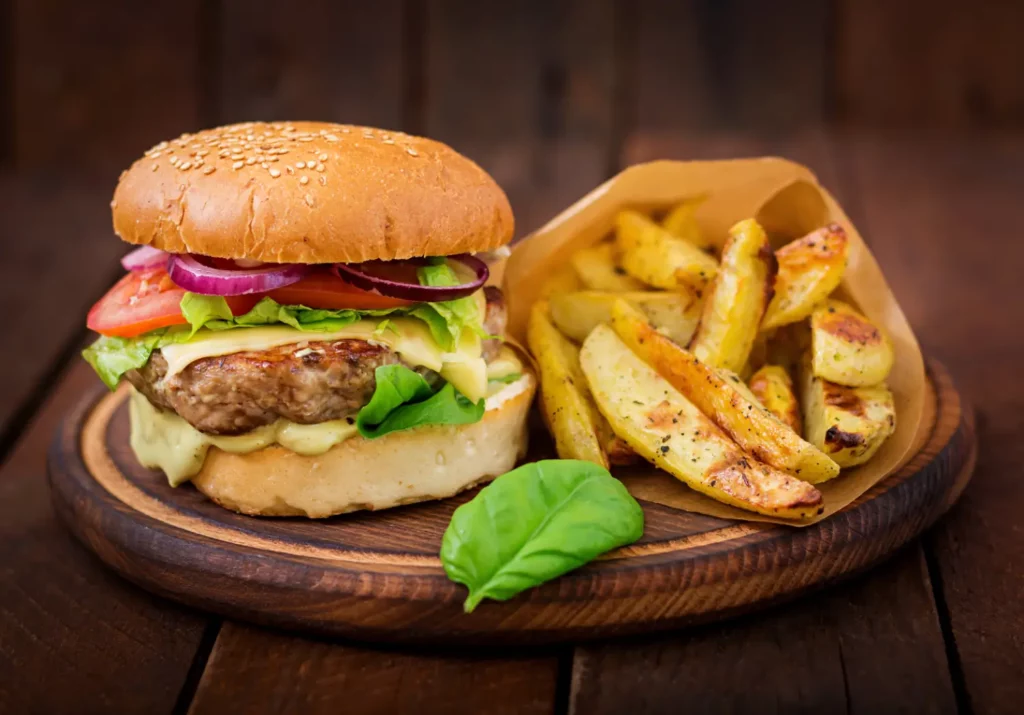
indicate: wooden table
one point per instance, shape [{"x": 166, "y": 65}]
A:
[{"x": 939, "y": 628}]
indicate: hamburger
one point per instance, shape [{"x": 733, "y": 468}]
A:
[{"x": 306, "y": 328}]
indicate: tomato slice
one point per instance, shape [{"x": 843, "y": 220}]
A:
[
  {"x": 147, "y": 300},
  {"x": 323, "y": 289},
  {"x": 139, "y": 302}
]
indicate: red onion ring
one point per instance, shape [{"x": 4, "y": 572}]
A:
[
  {"x": 414, "y": 291},
  {"x": 192, "y": 275},
  {"x": 145, "y": 257}
]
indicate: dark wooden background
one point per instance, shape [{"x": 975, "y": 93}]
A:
[{"x": 911, "y": 112}]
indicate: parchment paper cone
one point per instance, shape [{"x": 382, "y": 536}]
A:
[{"x": 786, "y": 198}]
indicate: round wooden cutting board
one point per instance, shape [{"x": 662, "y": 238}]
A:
[{"x": 376, "y": 576}]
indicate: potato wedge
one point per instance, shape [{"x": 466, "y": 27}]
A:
[
  {"x": 681, "y": 222},
  {"x": 724, "y": 398},
  {"x": 674, "y": 314},
  {"x": 666, "y": 429},
  {"x": 847, "y": 423},
  {"x": 656, "y": 257},
  {"x": 563, "y": 393},
  {"x": 739, "y": 294},
  {"x": 561, "y": 281},
  {"x": 847, "y": 348},
  {"x": 810, "y": 268},
  {"x": 773, "y": 388},
  {"x": 597, "y": 270}
]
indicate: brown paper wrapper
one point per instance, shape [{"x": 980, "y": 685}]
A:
[{"x": 787, "y": 200}]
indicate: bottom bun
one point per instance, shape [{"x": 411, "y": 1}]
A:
[{"x": 432, "y": 462}]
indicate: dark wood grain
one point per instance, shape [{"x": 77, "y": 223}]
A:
[
  {"x": 524, "y": 89},
  {"x": 714, "y": 65},
  {"x": 245, "y": 670},
  {"x": 74, "y": 638},
  {"x": 97, "y": 84},
  {"x": 869, "y": 646},
  {"x": 929, "y": 63},
  {"x": 329, "y": 61},
  {"x": 943, "y": 214},
  {"x": 317, "y": 576},
  {"x": 57, "y": 255}
]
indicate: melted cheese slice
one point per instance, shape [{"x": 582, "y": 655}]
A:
[{"x": 409, "y": 337}]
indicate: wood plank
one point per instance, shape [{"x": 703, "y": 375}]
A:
[
  {"x": 93, "y": 88},
  {"x": 74, "y": 637},
  {"x": 712, "y": 64},
  {"x": 253, "y": 670},
  {"x": 57, "y": 256},
  {"x": 929, "y": 63},
  {"x": 869, "y": 646},
  {"x": 940, "y": 213},
  {"x": 524, "y": 89},
  {"x": 329, "y": 61}
]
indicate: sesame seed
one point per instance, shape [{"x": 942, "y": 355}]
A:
[
  {"x": 238, "y": 165},
  {"x": 272, "y": 159},
  {"x": 173, "y": 160},
  {"x": 331, "y": 137},
  {"x": 264, "y": 165},
  {"x": 319, "y": 167},
  {"x": 303, "y": 180},
  {"x": 344, "y": 130},
  {"x": 306, "y": 139},
  {"x": 236, "y": 157},
  {"x": 209, "y": 169},
  {"x": 322, "y": 157},
  {"x": 289, "y": 169},
  {"x": 161, "y": 146},
  {"x": 198, "y": 163},
  {"x": 411, "y": 151},
  {"x": 155, "y": 154},
  {"x": 309, "y": 200},
  {"x": 202, "y": 152},
  {"x": 154, "y": 167},
  {"x": 389, "y": 141},
  {"x": 300, "y": 165},
  {"x": 185, "y": 165},
  {"x": 250, "y": 160},
  {"x": 323, "y": 181},
  {"x": 275, "y": 173}
]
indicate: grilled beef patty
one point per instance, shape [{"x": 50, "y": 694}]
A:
[{"x": 233, "y": 394}]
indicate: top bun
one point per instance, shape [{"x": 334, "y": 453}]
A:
[{"x": 309, "y": 192}]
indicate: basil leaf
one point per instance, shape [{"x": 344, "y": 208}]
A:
[
  {"x": 402, "y": 400},
  {"x": 535, "y": 523}
]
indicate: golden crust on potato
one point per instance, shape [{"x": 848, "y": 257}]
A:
[
  {"x": 810, "y": 268},
  {"x": 847, "y": 423},
  {"x": 666, "y": 429},
  {"x": 736, "y": 303},
  {"x": 847, "y": 348},
  {"x": 773, "y": 388},
  {"x": 674, "y": 313},
  {"x": 597, "y": 270},
  {"x": 658, "y": 258},
  {"x": 724, "y": 399},
  {"x": 564, "y": 399}
]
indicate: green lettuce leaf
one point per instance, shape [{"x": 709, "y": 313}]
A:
[
  {"x": 403, "y": 399},
  {"x": 535, "y": 523},
  {"x": 113, "y": 357},
  {"x": 446, "y": 321},
  {"x": 459, "y": 313}
]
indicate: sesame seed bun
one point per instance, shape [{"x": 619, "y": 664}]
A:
[{"x": 309, "y": 192}]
